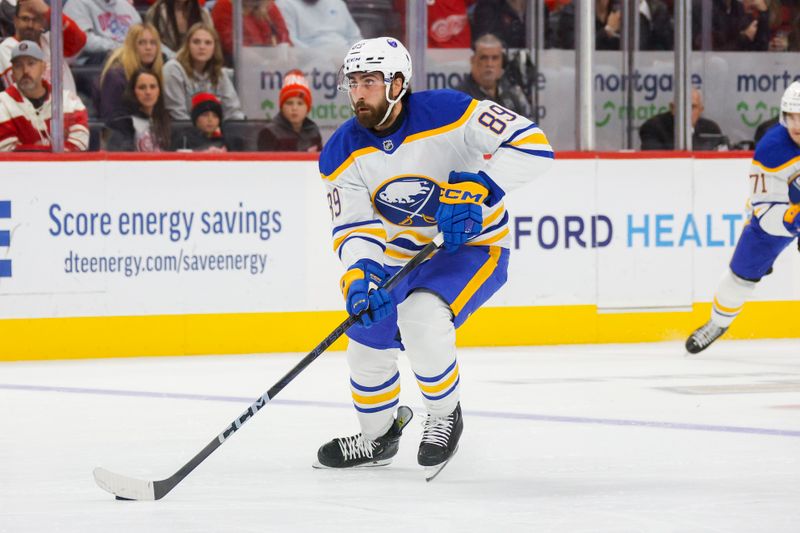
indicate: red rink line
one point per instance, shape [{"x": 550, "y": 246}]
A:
[{"x": 304, "y": 156}]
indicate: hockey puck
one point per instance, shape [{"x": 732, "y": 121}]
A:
[{"x": 123, "y": 499}]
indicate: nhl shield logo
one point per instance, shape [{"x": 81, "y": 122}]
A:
[
  {"x": 388, "y": 145},
  {"x": 408, "y": 200}
]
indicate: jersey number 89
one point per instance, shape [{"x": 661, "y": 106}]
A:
[
  {"x": 334, "y": 203},
  {"x": 495, "y": 121}
]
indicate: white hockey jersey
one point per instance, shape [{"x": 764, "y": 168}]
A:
[
  {"x": 775, "y": 164},
  {"x": 383, "y": 192}
]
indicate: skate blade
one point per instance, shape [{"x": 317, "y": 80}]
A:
[
  {"x": 372, "y": 464},
  {"x": 432, "y": 471}
]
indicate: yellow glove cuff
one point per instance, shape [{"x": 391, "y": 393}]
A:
[
  {"x": 467, "y": 192},
  {"x": 791, "y": 213},
  {"x": 349, "y": 277}
]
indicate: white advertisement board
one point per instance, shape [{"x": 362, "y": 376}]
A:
[
  {"x": 116, "y": 238},
  {"x": 109, "y": 238}
]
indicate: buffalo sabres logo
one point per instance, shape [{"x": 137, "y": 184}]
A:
[
  {"x": 388, "y": 145},
  {"x": 408, "y": 200}
]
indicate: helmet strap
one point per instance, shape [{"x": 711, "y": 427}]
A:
[{"x": 391, "y": 103}]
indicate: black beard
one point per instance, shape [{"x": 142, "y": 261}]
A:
[
  {"x": 29, "y": 35},
  {"x": 374, "y": 116}
]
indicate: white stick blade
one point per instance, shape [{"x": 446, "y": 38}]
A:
[{"x": 123, "y": 486}]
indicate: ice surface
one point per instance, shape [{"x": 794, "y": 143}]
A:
[{"x": 606, "y": 438}]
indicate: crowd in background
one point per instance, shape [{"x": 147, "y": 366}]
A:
[{"x": 155, "y": 75}]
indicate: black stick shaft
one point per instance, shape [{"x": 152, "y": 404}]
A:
[{"x": 163, "y": 487}]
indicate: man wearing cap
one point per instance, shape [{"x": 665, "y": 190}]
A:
[
  {"x": 31, "y": 23},
  {"x": 292, "y": 130},
  {"x": 25, "y": 107}
]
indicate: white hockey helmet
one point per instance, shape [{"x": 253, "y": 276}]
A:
[
  {"x": 790, "y": 102},
  {"x": 381, "y": 54}
]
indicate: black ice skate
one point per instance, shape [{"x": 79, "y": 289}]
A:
[
  {"x": 439, "y": 442},
  {"x": 703, "y": 337},
  {"x": 349, "y": 452}
]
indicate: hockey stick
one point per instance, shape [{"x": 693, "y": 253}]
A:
[{"x": 127, "y": 488}]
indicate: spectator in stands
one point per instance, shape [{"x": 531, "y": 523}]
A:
[
  {"x": 140, "y": 51},
  {"x": 607, "y": 26},
  {"x": 146, "y": 127},
  {"x": 486, "y": 81},
  {"x": 764, "y": 127},
  {"x": 320, "y": 24},
  {"x": 502, "y": 18},
  {"x": 7, "y": 13},
  {"x": 784, "y": 25},
  {"x": 206, "y": 134},
  {"x": 25, "y": 107},
  {"x": 655, "y": 26},
  {"x": 262, "y": 24},
  {"x": 31, "y": 22},
  {"x": 198, "y": 68},
  {"x": 173, "y": 18},
  {"x": 736, "y": 25},
  {"x": 292, "y": 130},
  {"x": 448, "y": 23},
  {"x": 106, "y": 22},
  {"x": 658, "y": 132}
]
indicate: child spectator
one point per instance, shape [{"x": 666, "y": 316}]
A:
[
  {"x": 206, "y": 135},
  {"x": 292, "y": 130},
  {"x": 173, "y": 18},
  {"x": 106, "y": 22},
  {"x": 147, "y": 127},
  {"x": 197, "y": 68},
  {"x": 140, "y": 51},
  {"x": 262, "y": 24}
]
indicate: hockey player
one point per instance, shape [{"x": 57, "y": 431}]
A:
[
  {"x": 405, "y": 168},
  {"x": 774, "y": 221}
]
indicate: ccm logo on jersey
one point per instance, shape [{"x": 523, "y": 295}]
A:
[
  {"x": 408, "y": 200},
  {"x": 463, "y": 193}
]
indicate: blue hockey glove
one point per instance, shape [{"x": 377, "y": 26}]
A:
[
  {"x": 459, "y": 215},
  {"x": 791, "y": 219},
  {"x": 362, "y": 293},
  {"x": 494, "y": 192}
]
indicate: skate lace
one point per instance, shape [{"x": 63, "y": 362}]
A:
[
  {"x": 707, "y": 333},
  {"x": 356, "y": 446},
  {"x": 436, "y": 430}
]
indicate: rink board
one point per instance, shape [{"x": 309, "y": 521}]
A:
[{"x": 124, "y": 256}]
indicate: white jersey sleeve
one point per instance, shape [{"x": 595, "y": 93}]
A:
[{"x": 519, "y": 150}]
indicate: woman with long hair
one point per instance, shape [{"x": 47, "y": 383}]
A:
[
  {"x": 140, "y": 51},
  {"x": 173, "y": 18},
  {"x": 197, "y": 68},
  {"x": 147, "y": 126}
]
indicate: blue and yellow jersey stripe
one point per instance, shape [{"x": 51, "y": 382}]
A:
[
  {"x": 439, "y": 386},
  {"x": 368, "y": 230},
  {"x": 368, "y": 399}
]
